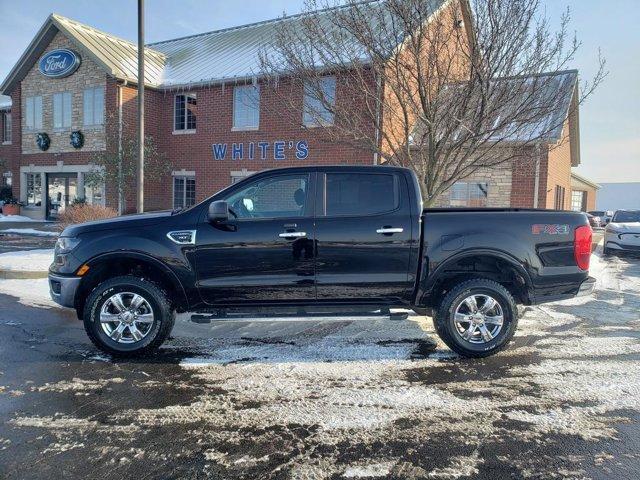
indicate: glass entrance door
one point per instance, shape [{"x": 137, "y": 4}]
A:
[{"x": 61, "y": 192}]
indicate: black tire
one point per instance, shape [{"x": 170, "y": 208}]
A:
[
  {"x": 444, "y": 318},
  {"x": 157, "y": 299}
]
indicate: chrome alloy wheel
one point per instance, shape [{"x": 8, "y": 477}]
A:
[
  {"x": 479, "y": 318},
  {"x": 126, "y": 317}
]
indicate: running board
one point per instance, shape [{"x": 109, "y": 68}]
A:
[{"x": 301, "y": 315}]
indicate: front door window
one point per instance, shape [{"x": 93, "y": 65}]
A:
[{"x": 61, "y": 192}]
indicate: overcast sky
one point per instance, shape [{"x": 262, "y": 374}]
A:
[{"x": 609, "y": 121}]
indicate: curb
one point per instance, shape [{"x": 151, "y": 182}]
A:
[{"x": 23, "y": 275}]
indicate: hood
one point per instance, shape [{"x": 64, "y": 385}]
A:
[
  {"x": 630, "y": 227},
  {"x": 125, "y": 221}
]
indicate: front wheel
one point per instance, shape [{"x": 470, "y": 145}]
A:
[
  {"x": 476, "y": 318},
  {"x": 128, "y": 316}
]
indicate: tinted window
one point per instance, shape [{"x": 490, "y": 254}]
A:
[
  {"x": 275, "y": 197},
  {"x": 360, "y": 193},
  {"x": 626, "y": 217}
]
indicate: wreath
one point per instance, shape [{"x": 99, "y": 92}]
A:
[
  {"x": 43, "y": 141},
  {"x": 77, "y": 139}
]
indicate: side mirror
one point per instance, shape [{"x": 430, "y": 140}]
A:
[{"x": 218, "y": 212}]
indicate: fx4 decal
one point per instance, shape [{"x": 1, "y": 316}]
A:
[{"x": 550, "y": 229}]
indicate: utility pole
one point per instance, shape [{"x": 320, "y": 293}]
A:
[{"x": 140, "y": 191}]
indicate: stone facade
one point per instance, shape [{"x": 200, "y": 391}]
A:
[
  {"x": 35, "y": 84},
  {"x": 498, "y": 181}
]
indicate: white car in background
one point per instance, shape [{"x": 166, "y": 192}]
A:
[{"x": 623, "y": 232}]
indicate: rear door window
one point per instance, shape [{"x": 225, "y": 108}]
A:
[{"x": 361, "y": 193}]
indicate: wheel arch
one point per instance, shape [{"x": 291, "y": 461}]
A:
[
  {"x": 114, "y": 264},
  {"x": 478, "y": 263}
]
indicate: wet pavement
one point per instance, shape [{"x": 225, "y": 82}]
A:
[{"x": 340, "y": 399}]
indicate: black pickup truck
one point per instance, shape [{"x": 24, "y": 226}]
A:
[{"x": 333, "y": 237}]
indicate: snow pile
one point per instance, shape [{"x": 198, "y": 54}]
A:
[
  {"x": 31, "y": 293},
  {"x": 15, "y": 218},
  {"x": 27, "y": 260},
  {"x": 30, "y": 232}
]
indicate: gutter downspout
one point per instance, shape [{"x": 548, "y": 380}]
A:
[
  {"x": 536, "y": 183},
  {"x": 120, "y": 176},
  {"x": 376, "y": 160}
]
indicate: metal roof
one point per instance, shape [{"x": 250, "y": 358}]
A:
[
  {"x": 584, "y": 180},
  {"x": 119, "y": 56},
  {"x": 5, "y": 102},
  {"x": 219, "y": 56},
  {"x": 554, "y": 93},
  {"x": 116, "y": 56},
  {"x": 234, "y": 53}
]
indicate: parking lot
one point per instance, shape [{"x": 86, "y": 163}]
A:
[{"x": 341, "y": 399}]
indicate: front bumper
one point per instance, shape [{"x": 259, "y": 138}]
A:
[
  {"x": 627, "y": 241},
  {"x": 63, "y": 289}
]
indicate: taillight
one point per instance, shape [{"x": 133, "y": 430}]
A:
[{"x": 582, "y": 246}]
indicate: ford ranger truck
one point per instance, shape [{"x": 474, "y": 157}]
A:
[{"x": 331, "y": 237}]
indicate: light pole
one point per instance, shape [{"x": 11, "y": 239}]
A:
[{"x": 140, "y": 190}]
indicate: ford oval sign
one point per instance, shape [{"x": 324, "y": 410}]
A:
[{"x": 59, "y": 63}]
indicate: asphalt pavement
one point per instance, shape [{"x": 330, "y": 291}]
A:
[{"x": 340, "y": 399}]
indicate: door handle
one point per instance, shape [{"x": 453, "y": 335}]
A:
[
  {"x": 385, "y": 230},
  {"x": 293, "y": 234}
]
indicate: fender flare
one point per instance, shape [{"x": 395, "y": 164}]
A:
[
  {"x": 144, "y": 257},
  {"x": 487, "y": 252}
]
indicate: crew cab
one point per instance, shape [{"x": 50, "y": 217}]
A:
[{"x": 326, "y": 236}]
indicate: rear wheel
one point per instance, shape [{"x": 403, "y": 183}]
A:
[
  {"x": 128, "y": 316},
  {"x": 477, "y": 318}
]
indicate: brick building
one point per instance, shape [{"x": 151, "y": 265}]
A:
[
  {"x": 583, "y": 193},
  {"x": 545, "y": 162},
  {"x": 207, "y": 111}
]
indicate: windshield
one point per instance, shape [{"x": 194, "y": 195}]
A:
[
  {"x": 598, "y": 213},
  {"x": 627, "y": 217}
]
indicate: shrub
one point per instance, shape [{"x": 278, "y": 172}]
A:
[
  {"x": 5, "y": 194},
  {"x": 84, "y": 212}
]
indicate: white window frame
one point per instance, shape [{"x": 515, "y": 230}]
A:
[
  {"x": 310, "y": 101},
  {"x": 238, "y": 175},
  {"x": 241, "y": 108},
  {"x": 33, "y": 113},
  {"x": 96, "y": 114},
  {"x": 184, "y": 130},
  {"x": 7, "y": 124},
  {"x": 65, "y": 97},
  {"x": 183, "y": 178},
  {"x": 38, "y": 176}
]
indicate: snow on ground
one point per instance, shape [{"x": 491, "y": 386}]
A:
[
  {"x": 309, "y": 392},
  {"x": 32, "y": 292},
  {"x": 27, "y": 260},
  {"x": 15, "y": 218},
  {"x": 30, "y": 232}
]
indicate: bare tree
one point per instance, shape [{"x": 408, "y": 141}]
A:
[
  {"x": 117, "y": 165},
  {"x": 440, "y": 86}
]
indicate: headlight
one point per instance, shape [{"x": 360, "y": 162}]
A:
[
  {"x": 66, "y": 244},
  {"x": 612, "y": 230}
]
